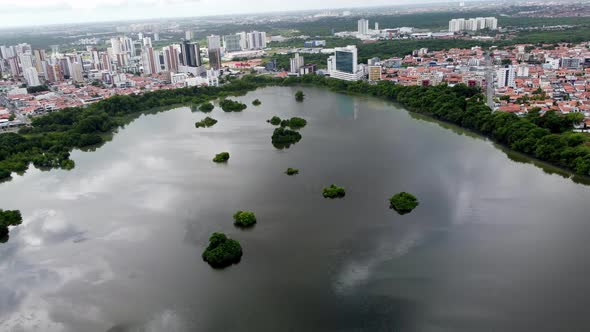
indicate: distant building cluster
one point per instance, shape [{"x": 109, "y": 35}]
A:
[
  {"x": 314, "y": 43},
  {"x": 242, "y": 41},
  {"x": 473, "y": 24}
]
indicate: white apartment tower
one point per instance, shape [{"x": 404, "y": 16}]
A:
[
  {"x": 363, "y": 26},
  {"x": 31, "y": 76},
  {"x": 506, "y": 76},
  {"x": 473, "y": 24},
  {"x": 256, "y": 40},
  {"x": 296, "y": 63}
]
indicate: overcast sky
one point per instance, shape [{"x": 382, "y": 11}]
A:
[{"x": 42, "y": 12}]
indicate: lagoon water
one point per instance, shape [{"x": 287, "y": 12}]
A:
[{"x": 115, "y": 244}]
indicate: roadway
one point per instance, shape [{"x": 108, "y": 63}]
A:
[{"x": 489, "y": 76}]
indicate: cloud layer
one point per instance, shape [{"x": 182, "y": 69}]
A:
[{"x": 42, "y": 12}]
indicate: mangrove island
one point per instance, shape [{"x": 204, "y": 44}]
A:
[
  {"x": 206, "y": 107},
  {"x": 221, "y": 157},
  {"x": 299, "y": 96},
  {"x": 228, "y": 105},
  {"x": 294, "y": 123},
  {"x": 222, "y": 251},
  {"x": 275, "y": 121},
  {"x": 206, "y": 122},
  {"x": 334, "y": 191},
  {"x": 244, "y": 219},
  {"x": 292, "y": 171},
  {"x": 283, "y": 138},
  {"x": 403, "y": 202}
]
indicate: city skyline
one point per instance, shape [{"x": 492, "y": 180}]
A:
[{"x": 50, "y": 12}]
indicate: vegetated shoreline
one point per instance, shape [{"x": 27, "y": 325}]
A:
[{"x": 107, "y": 116}]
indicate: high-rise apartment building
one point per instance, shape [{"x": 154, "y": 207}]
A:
[
  {"x": 171, "y": 58},
  {"x": 256, "y": 40},
  {"x": 214, "y": 58},
  {"x": 54, "y": 72},
  {"x": 232, "y": 43},
  {"x": 213, "y": 41},
  {"x": 363, "y": 26},
  {"x": 190, "y": 54},
  {"x": 40, "y": 56},
  {"x": 77, "y": 72},
  {"x": 295, "y": 63},
  {"x": 214, "y": 51},
  {"x": 506, "y": 76},
  {"x": 3, "y": 52},
  {"x": 473, "y": 24},
  {"x": 374, "y": 73},
  {"x": 148, "y": 60},
  {"x": 31, "y": 76},
  {"x": 243, "y": 40},
  {"x": 26, "y": 61},
  {"x": 344, "y": 64}
]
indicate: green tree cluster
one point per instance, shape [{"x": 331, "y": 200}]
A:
[
  {"x": 299, "y": 96},
  {"x": 228, "y": 105},
  {"x": 244, "y": 219},
  {"x": 206, "y": 107},
  {"x": 36, "y": 89},
  {"x": 221, "y": 157},
  {"x": 275, "y": 121},
  {"x": 333, "y": 191},
  {"x": 256, "y": 102},
  {"x": 403, "y": 202},
  {"x": 294, "y": 123},
  {"x": 283, "y": 138},
  {"x": 292, "y": 171},
  {"x": 222, "y": 251},
  {"x": 206, "y": 122}
]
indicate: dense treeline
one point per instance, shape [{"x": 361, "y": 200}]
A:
[{"x": 572, "y": 35}]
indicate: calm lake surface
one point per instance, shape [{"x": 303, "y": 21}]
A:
[{"x": 115, "y": 244}]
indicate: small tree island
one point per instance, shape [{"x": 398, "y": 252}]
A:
[
  {"x": 221, "y": 157},
  {"x": 222, "y": 251},
  {"x": 292, "y": 171},
  {"x": 275, "y": 121},
  {"x": 256, "y": 102},
  {"x": 334, "y": 191},
  {"x": 403, "y": 202},
  {"x": 8, "y": 218},
  {"x": 206, "y": 107},
  {"x": 299, "y": 96},
  {"x": 283, "y": 138},
  {"x": 206, "y": 122},
  {"x": 294, "y": 123},
  {"x": 244, "y": 219},
  {"x": 228, "y": 105}
]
